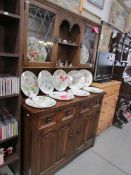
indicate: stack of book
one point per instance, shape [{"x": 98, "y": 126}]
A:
[
  {"x": 9, "y": 85},
  {"x": 8, "y": 125}
]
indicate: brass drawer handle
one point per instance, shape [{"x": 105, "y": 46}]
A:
[
  {"x": 68, "y": 113},
  {"x": 48, "y": 120}
]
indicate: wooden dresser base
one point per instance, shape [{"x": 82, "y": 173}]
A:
[{"x": 53, "y": 137}]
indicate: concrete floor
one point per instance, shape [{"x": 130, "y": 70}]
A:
[{"x": 111, "y": 155}]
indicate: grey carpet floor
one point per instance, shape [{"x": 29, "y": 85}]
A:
[{"x": 111, "y": 155}]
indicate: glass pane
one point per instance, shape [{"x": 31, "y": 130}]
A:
[
  {"x": 87, "y": 46},
  {"x": 40, "y": 34}
]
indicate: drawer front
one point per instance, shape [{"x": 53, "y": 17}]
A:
[
  {"x": 115, "y": 89},
  {"x": 90, "y": 105},
  {"x": 107, "y": 91},
  {"x": 47, "y": 121},
  {"x": 111, "y": 90},
  {"x": 68, "y": 113},
  {"x": 85, "y": 107}
]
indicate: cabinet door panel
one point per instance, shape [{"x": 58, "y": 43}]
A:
[
  {"x": 61, "y": 140},
  {"x": 92, "y": 121},
  {"x": 47, "y": 151},
  {"x": 81, "y": 130},
  {"x": 41, "y": 32}
]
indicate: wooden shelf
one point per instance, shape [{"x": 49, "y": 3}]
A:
[
  {"x": 68, "y": 44},
  {"x": 66, "y": 67},
  {"x": 5, "y": 14},
  {"x": 12, "y": 158},
  {"x": 11, "y": 55},
  {"x": 9, "y": 96},
  {"x": 10, "y": 138}
]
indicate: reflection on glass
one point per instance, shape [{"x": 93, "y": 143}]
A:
[
  {"x": 40, "y": 34},
  {"x": 87, "y": 46}
]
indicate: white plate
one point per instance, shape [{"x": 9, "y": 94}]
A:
[
  {"x": 29, "y": 84},
  {"x": 84, "y": 55},
  {"x": 93, "y": 89},
  {"x": 60, "y": 80},
  {"x": 88, "y": 77},
  {"x": 76, "y": 79},
  {"x": 40, "y": 102},
  {"x": 45, "y": 82},
  {"x": 61, "y": 95},
  {"x": 78, "y": 92},
  {"x": 36, "y": 50}
]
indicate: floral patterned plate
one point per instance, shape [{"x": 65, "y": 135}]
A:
[
  {"x": 93, "y": 89},
  {"x": 88, "y": 77},
  {"x": 60, "y": 80},
  {"x": 40, "y": 102},
  {"x": 45, "y": 82},
  {"x": 62, "y": 95},
  {"x": 76, "y": 79},
  {"x": 78, "y": 92},
  {"x": 29, "y": 84},
  {"x": 84, "y": 55},
  {"x": 36, "y": 50}
]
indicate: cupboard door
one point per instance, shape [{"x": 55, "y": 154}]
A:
[
  {"x": 47, "y": 150},
  {"x": 61, "y": 142},
  {"x": 41, "y": 32},
  {"x": 88, "y": 46},
  {"x": 81, "y": 130},
  {"x": 92, "y": 124}
]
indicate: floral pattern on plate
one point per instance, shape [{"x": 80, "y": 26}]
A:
[
  {"x": 40, "y": 102},
  {"x": 29, "y": 84},
  {"x": 93, "y": 89},
  {"x": 62, "y": 95},
  {"x": 60, "y": 80},
  {"x": 76, "y": 79},
  {"x": 88, "y": 77},
  {"x": 84, "y": 55},
  {"x": 36, "y": 50},
  {"x": 45, "y": 82},
  {"x": 78, "y": 92}
]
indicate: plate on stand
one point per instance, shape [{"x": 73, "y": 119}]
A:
[
  {"x": 75, "y": 79},
  {"x": 88, "y": 77},
  {"x": 29, "y": 84},
  {"x": 60, "y": 80},
  {"x": 45, "y": 82}
]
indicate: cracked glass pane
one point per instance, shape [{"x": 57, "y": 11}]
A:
[{"x": 40, "y": 34}]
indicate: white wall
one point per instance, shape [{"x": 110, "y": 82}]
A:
[{"x": 103, "y": 13}]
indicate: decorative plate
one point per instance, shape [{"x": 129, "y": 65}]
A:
[
  {"x": 88, "y": 77},
  {"x": 36, "y": 50},
  {"x": 93, "y": 89},
  {"x": 84, "y": 55},
  {"x": 78, "y": 92},
  {"x": 60, "y": 80},
  {"x": 62, "y": 95},
  {"x": 76, "y": 79},
  {"x": 29, "y": 84},
  {"x": 45, "y": 82},
  {"x": 40, "y": 102}
]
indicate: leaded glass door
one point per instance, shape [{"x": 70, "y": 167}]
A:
[{"x": 41, "y": 34}]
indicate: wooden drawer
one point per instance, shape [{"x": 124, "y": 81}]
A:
[
  {"x": 47, "y": 121},
  {"x": 115, "y": 89},
  {"x": 107, "y": 92},
  {"x": 107, "y": 116},
  {"x": 68, "y": 113},
  {"x": 85, "y": 107}
]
